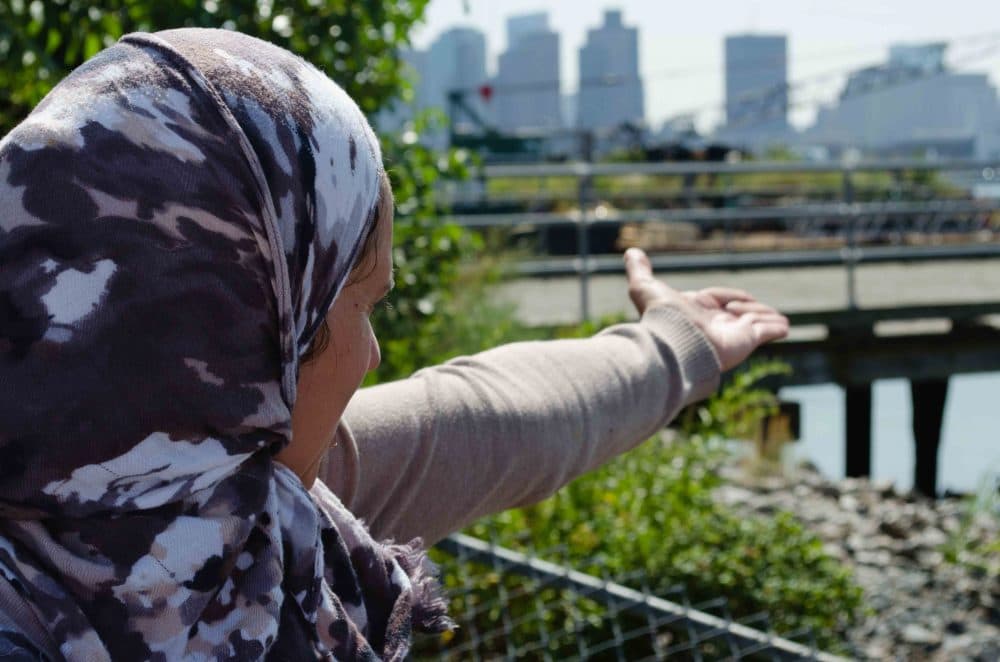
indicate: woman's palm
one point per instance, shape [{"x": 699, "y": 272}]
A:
[{"x": 734, "y": 322}]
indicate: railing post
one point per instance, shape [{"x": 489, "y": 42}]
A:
[
  {"x": 585, "y": 184},
  {"x": 928, "y": 397},
  {"x": 851, "y": 240},
  {"x": 858, "y": 430}
]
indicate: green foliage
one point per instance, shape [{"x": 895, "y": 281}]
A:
[
  {"x": 968, "y": 546},
  {"x": 355, "y": 41},
  {"x": 813, "y": 186},
  {"x": 418, "y": 328},
  {"x": 652, "y": 511},
  {"x": 736, "y": 410}
]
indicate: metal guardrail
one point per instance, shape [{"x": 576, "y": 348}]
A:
[
  {"x": 585, "y": 169},
  {"x": 734, "y": 261},
  {"x": 862, "y": 225},
  {"x": 692, "y": 628},
  {"x": 837, "y": 211}
]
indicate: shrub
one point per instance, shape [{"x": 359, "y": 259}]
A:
[{"x": 649, "y": 518}]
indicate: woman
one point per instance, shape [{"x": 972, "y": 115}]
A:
[{"x": 194, "y": 228}]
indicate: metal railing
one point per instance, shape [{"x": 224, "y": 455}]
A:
[
  {"x": 867, "y": 231},
  {"x": 625, "y": 624}
]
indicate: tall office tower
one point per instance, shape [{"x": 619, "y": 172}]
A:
[
  {"x": 756, "y": 86},
  {"x": 527, "y": 81},
  {"x": 518, "y": 26},
  {"x": 456, "y": 61},
  {"x": 610, "y": 90}
]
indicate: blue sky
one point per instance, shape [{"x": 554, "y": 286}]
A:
[{"x": 680, "y": 43}]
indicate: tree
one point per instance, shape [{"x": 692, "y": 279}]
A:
[{"x": 357, "y": 42}]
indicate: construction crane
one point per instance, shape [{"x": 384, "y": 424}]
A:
[{"x": 493, "y": 145}]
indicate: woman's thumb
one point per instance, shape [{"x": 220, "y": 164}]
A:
[{"x": 637, "y": 266}]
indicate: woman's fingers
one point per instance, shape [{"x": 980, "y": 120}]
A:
[
  {"x": 767, "y": 331},
  {"x": 743, "y": 307},
  {"x": 643, "y": 288},
  {"x": 757, "y": 323},
  {"x": 637, "y": 265},
  {"x": 766, "y": 326},
  {"x": 726, "y": 294}
]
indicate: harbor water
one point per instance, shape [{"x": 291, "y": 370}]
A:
[{"x": 969, "y": 456}]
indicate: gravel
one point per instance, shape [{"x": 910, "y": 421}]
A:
[{"x": 920, "y": 606}]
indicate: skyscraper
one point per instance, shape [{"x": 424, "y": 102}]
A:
[
  {"x": 610, "y": 88},
  {"x": 522, "y": 24},
  {"x": 527, "y": 81},
  {"x": 456, "y": 61},
  {"x": 756, "y": 86}
]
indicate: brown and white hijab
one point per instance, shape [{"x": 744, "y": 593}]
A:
[{"x": 176, "y": 218}]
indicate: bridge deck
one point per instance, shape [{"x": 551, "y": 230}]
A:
[{"x": 542, "y": 301}]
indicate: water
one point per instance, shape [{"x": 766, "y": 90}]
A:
[{"x": 970, "y": 443}]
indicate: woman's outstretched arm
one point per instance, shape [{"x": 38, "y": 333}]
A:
[{"x": 427, "y": 455}]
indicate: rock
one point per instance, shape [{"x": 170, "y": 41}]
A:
[
  {"x": 832, "y": 531},
  {"x": 856, "y": 542},
  {"x": 878, "y": 558},
  {"x": 851, "y": 485},
  {"x": 919, "y": 635},
  {"x": 884, "y": 488},
  {"x": 893, "y": 528},
  {"x": 920, "y": 606},
  {"x": 848, "y": 502},
  {"x": 951, "y": 524},
  {"x": 955, "y": 627},
  {"x": 931, "y": 537},
  {"x": 930, "y": 559},
  {"x": 952, "y": 644},
  {"x": 879, "y": 651}
]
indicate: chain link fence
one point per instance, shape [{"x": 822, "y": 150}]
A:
[{"x": 528, "y": 606}]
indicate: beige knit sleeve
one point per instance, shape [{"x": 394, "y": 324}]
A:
[{"x": 427, "y": 455}]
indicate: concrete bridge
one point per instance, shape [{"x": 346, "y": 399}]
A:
[{"x": 894, "y": 272}]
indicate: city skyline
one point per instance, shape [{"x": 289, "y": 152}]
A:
[{"x": 681, "y": 61}]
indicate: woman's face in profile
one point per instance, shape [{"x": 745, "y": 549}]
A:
[{"x": 327, "y": 383}]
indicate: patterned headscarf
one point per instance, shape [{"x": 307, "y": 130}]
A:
[{"x": 176, "y": 219}]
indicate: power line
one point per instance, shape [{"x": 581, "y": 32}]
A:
[
  {"x": 772, "y": 114},
  {"x": 675, "y": 74}
]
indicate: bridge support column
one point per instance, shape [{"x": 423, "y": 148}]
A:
[
  {"x": 858, "y": 442},
  {"x": 928, "y": 397}
]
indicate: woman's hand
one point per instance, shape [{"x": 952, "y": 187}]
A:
[{"x": 736, "y": 324}]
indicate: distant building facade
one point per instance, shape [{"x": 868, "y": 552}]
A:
[
  {"x": 610, "y": 90},
  {"x": 913, "y": 105},
  {"x": 523, "y": 24},
  {"x": 456, "y": 60},
  {"x": 756, "y": 88},
  {"x": 526, "y": 90}
]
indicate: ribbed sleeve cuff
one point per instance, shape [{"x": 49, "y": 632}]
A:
[{"x": 699, "y": 366}]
